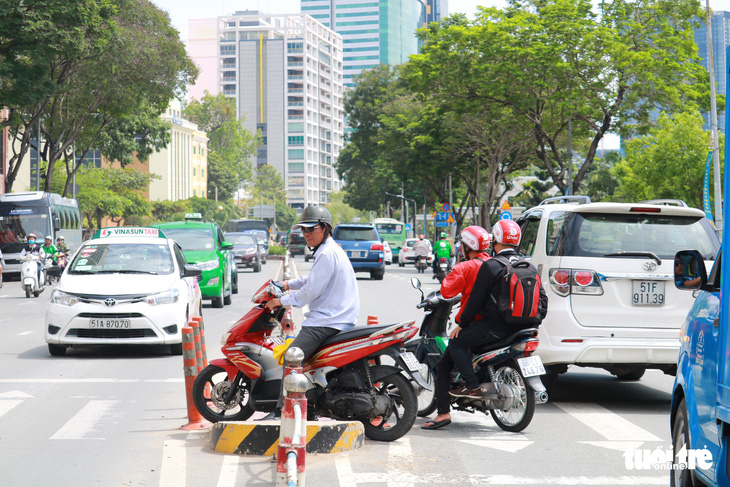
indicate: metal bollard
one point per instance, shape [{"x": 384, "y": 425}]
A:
[
  {"x": 287, "y": 272},
  {"x": 287, "y": 323},
  {"x": 190, "y": 367},
  {"x": 293, "y": 430},
  {"x": 198, "y": 347},
  {"x": 201, "y": 327}
]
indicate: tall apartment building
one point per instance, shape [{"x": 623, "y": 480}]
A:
[
  {"x": 375, "y": 32},
  {"x": 285, "y": 74},
  {"x": 720, "y": 40}
]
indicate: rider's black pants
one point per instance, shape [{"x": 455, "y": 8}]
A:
[{"x": 457, "y": 355}]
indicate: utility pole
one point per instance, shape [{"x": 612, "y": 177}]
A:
[
  {"x": 570, "y": 156},
  {"x": 713, "y": 124}
]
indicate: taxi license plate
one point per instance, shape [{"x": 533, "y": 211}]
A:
[
  {"x": 411, "y": 361},
  {"x": 109, "y": 323},
  {"x": 648, "y": 293},
  {"x": 531, "y": 366},
  {"x": 358, "y": 254}
]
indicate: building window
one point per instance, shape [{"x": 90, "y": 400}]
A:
[
  {"x": 228, "y": 50},
  {"x": 229, "y": 62},
  {"x": 295, "y": 140},
  {"x": 296, "y": 153},
  {"x": 296, "y": 167},
  {"x": 296, "y": 127}
]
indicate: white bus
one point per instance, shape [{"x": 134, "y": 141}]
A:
[{"x": 39, "y": 213}]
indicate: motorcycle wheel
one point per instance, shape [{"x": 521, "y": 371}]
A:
[
  {"x": 427, "y": 399},
  {"x": 404, "y": 406},
  {"x": 519, "y": 415},
  {"x": 27, "y": 290},
  {"x": 210, "y": 387}
]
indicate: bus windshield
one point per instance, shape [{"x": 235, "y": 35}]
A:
[
  {"x": 392, "y": 231},
  {"x": 17, "y": 222}
]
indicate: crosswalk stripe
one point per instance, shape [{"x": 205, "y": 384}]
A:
[
  {"x": 173, "y": 470},
  {"x": 400, "y": 463},
  {"x": 7, "y": 404},
  {"x": 607, "y": 424},
  {"x": 229, "y": 470},
  {"x": 89, "y": 421}
]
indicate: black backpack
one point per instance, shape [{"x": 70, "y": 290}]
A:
[{"x": 517, "y": 293}]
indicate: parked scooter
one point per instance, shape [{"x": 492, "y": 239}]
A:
[
  {"x": 421, "y": 263},
  {"x": 29, "y": 275},
  {"x": 508, "y": 373},
  {"x": 346, "y": 379},
  {"x": 443, "y": 267}
]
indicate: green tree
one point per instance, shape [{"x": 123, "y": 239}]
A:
[
  {"x": 558, "y": 63},
  {"x": 268, "y": 190},
  {"x": 668, "y": 162},
  {"x": 231, "y": 147},
  {"x": 111, "y": 193},
  {"x": 342, "y": 212},
  {"x": 137, "y": 69}
]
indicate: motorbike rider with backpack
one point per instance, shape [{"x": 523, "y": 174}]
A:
[
  {"x": 420, "y": 248},
  {"x": 486, "y": 295},
  {"x": 441, "y": 249},
  {"x": 475, "y": 243}
]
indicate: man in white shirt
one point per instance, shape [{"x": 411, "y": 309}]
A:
[{"x": 330, "y": 290}]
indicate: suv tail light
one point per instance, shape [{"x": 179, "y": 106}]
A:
[
  {"x": 376, "y": 246},
  {"x": 575, "y": 281}
]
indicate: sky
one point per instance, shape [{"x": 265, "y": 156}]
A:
[{"x": 182, "y": 10}]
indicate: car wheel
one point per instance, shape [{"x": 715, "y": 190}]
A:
[
  {"x": 633, "y": 375},
  {"x": 378, "y": 276},
  {"x": 176, "y": 349},
  {"x": 680, "y": 477},
  {"x": 218, "y": 302},
  {"x": 257, "y": 267},
  {"x": 234, "y": 286},
  {"x": 401, "y": 264},
  {"x": 306, "y": 258},
  {"x": 227, "y": 300},
  {"x": 58, "y": 350}
]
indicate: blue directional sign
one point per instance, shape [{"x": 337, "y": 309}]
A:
[
  {"x": 408, "y": 227},
  {"x": 442, "y": 216},
  {"x": 505, "y": 215}
]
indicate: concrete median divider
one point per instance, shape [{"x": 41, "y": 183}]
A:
[{"x": 262, "y": 437}]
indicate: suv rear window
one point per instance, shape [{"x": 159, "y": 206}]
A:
[
  {"x": 596, "y": 235},
  {"x": 363, "y": 234}
]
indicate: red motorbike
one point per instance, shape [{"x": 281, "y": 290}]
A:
[{"x": 347, "y": 378}]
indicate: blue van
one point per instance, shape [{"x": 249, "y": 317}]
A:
[{"x": 361, "y": 242}]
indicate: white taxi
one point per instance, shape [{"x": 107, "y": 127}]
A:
[{"x": 127, "y": 285}]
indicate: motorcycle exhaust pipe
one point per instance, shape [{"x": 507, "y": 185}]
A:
[{"x": 542, "y": 397}]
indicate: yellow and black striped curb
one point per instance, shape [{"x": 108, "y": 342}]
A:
[{"x": 262, "y": 437}]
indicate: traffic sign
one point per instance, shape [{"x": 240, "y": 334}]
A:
[
  {"x": 445, "y": 207},
  {"x": 506, "y": 205},
  {"x": 408, "y": 227},
  {"x": 442, "y": 216},
  {"x": 451, "y": 219},
  {"x": 505, "y": 215},
  {"x": 442, "y": 224}
]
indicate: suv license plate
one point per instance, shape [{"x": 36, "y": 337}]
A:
[
  {"x": 358, "y": 254},
  {"x": 531, "y": 366},
  {"x": 98, "y": 323},
  {"x": 411, "y": 362},
  {"x": 648, "y": 293}
]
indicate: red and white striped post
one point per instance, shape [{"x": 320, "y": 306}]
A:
[
  {"x": 201, "y": 327},
  {"x": 293, "y": 430},
  {"x": 190, "y": 367}
]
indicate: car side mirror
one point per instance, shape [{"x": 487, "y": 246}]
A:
[
  {"x": 689, "y": 270},
  {"x": 227, "y": 245},
  {"x": 192, "y": 271}
]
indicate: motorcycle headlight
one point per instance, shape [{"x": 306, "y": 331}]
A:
[
  {"x": 62, "y": 298},
  {"x": 208, "y": 265},
  {"x": 167, "y": 297}
]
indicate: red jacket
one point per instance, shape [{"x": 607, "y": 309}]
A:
[{"x": 461, "y": 280}]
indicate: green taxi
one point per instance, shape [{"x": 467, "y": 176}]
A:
[{"x": 203, "y": 244}]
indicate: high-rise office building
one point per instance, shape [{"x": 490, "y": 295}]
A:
[
  {"x": 720, "y": 40},
  {"x": 374, "y": 32},
  {"x": 285, "y": 74}
]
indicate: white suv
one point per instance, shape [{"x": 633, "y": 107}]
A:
[{"x": 608, "y": 271}]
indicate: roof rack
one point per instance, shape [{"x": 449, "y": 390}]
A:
[
  {"x": 581, "y": 200},
  {"x": 667, "y": 202}
]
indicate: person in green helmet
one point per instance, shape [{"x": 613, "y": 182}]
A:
[{"x": 442, "y": 248}]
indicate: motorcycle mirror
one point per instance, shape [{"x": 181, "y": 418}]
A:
[{"x": 416, "y": 283}]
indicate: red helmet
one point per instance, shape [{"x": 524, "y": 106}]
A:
[
  {"x": 420, "y": 237},
  {"x": 507, "y": 232},
  {"x": 476, "y": 238}
]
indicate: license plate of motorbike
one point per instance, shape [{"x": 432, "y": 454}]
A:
[
  {"x": 102, "y": 323},
  {"x": 411, "y": 361},
  {"x": 531, "y": 366}
]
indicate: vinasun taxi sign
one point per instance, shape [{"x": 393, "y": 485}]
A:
[{"x": 129, "y": 232}]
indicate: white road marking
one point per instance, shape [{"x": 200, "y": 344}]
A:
[
  {"x": 400, "y": 463},
  {"x": 173, "y": 471},
  {"x": 607, "y": 424},
  {"x": 229, "y": 470},
  {"x": 88, "y": 421},
  {"x": 14, "y": 395},
  {"x": 6, "y": 405},
  {"x": 88, "y": 381},
  {"x": 25, "y": 333},
  {"x": 511, "y": 446},
  {"x": 504, "y": 480},
  {"x": 345, "y": 476}
]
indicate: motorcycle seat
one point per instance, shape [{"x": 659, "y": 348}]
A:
[
  {"x": 357, "y": 332},
  {"x": 520, "y": 335}
]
